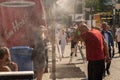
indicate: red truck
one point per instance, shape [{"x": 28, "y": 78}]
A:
[{"x": 17, "y": 19}]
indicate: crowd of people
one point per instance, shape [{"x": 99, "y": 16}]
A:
[{"x": 99, "y": 45}]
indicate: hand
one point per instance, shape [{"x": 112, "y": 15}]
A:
[
  {"x": 108, "y": 60},
  {"x": 14, "y": 66}
]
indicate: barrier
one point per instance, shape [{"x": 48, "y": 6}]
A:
[{"x": 21, "y": 75}]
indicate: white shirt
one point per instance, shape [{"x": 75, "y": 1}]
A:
[{"x": 118, "y": 34}]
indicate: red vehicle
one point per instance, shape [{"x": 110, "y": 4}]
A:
[{"x": 17, "y": 19}]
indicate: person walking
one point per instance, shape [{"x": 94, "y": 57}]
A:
[
  {"x": 110, "y": 43},
  {"x": 80, "y": 46},
  {"x": 95, "y": 49},
  {"x": 63, "y": 42},
  {"x": 57, "y": 36},
  {"x": 73, "y": 47},
  {"x": 39, "y": 53},
  {"x": 117, "y": 38}
]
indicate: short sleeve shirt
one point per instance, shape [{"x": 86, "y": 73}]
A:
[{"x": 94, "y": 45}]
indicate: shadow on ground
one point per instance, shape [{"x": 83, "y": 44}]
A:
[{"x": 68, "y": 71}]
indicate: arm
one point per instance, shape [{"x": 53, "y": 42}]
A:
[
  {"x": 106, "y": 52},
  {"x": 13, "y": 66},
  {"x": 5, "y": 69},
  {"x": 77, "y": 37},
  {"x": 112, "y": 41}
]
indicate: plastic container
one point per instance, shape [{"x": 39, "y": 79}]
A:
[{"x": 22, "y": 56}]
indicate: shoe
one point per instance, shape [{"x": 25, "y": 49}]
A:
[
  {"x": 46, "y": 70},
  {"x": 75, "y": 55},
  {"x": 108, "y": 72},
  {"x": 103, "y": 76},
  {"x": 113, "y": 55}
]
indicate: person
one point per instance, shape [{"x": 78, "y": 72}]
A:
[
  {"x": 57, "y": 34},
  {"x": 67, "y": 35},
  {"x": 63, "y": 42},
  {"x": 73, "y": 46},
  {"x": 80, "y": 46},
  {"x": 95, "y": 49},
  {"x": 117, "y": 38},
  {"x": 110, "y": 42},
  {"x": 73, "y": 42},
  {"x": 6, "y": 64},
  {"x": 39, "y": 53}
]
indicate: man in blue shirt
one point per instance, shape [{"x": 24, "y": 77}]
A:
[{"x": 110, "y": 41}]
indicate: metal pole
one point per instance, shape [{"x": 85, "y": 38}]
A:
[
  {"x": 51, "y": 18},
  {"x": 53, "y": 53},
  {"x": 114, "y": 16},
  {"x": 91, "y": 17},
  {"x": 53, "y": 45},
  {"x": 114, "y": 11},
  {"x": 83, "y": 8},
  {"x": 91, "y": 12},
  {"x": 75, "y": 9}
]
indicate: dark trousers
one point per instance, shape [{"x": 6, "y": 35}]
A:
[
  {"x": 96, "y": 69},
  {"x": 110, "y": 53},
  {"x": 109, "y": 64},
  {"x": 119, "y": 47}
]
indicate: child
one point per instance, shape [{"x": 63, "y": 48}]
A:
[{"x": 5, "y": 61}]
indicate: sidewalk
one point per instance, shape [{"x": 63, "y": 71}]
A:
[{"x": 78, "y": 70}]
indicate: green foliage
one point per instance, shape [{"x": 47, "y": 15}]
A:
[
  {"x": 93, "y": 4},
  {"x": 79, "y": 8},
  {"x": 99, "y": 5}
]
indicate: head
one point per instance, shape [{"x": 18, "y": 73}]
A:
[
  {"x": 5, "y": 55},
  {"x": 104, "y": 26},
  {"x": 82, "y": 27},
  {"x": 40, "y": 31},
  {"x": 108, "y": 27},
  {"x": 44, "y": 32}
]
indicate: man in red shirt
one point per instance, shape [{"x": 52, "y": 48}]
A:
[{"x": 96, "y": 50}]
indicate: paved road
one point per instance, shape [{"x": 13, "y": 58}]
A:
[{"x": 78, "y": 70}]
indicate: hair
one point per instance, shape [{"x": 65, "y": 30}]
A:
[
  {"x": 104, "y": 24},
  {"x": 3, "y": 52},
  {"x": 85, "y": 26}
]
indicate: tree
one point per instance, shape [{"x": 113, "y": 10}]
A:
[
  {"x": 95, "y": 4},
  {"x": 99, "y": 5}
]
